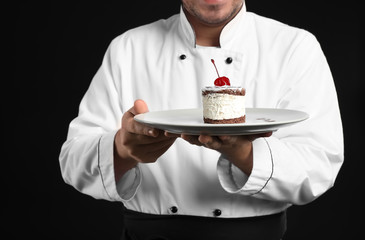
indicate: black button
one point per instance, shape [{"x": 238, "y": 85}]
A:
[
  {"x": 217, "y": 212},
  {"x": 229, "y": 60},
  {"x": 173, "y": 209},
  {"x": 182, "y": 56}
]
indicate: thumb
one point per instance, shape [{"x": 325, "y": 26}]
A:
[{"x": 140, "y": 106}]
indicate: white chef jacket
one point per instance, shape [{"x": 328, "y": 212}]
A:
[{"x": 280, "y": 66}]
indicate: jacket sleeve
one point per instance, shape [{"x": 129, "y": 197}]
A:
[
  {"x": 86, "y": 157},
  {"x": 298, "y": 163}
]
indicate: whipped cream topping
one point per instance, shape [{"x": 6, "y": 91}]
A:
[{"x": 218, "y": 106}]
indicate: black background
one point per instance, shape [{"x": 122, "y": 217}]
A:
[{"x": 56, "y": 49}]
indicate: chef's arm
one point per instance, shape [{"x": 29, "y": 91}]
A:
[
  {"x": 87, "y": 156},
  {"x": 298, "y": 163},
  {"x": 105, "y": 144}
]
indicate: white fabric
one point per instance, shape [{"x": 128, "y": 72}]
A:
[{"x": 280, "y": 67}]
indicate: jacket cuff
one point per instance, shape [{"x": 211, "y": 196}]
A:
[
  {"x": 128, "y": 184},
  {"x": 233, "y": 180}
]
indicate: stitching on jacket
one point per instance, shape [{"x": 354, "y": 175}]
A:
[
  {"x": 101, "y": 172},
  {"x": 272, "y": 168}
]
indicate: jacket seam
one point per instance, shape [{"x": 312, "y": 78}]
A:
[
  {"x": 101, "y": 172},
  {"x": 272, "y": 168}
]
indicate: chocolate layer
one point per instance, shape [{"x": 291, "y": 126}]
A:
[
  {"x": 231, "y": 91},
  {"x": 225, "y": 121}
]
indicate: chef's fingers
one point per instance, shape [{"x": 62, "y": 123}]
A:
[
  {"x": 139, "y": 106},
  {"x": 210, "y": 142},
  {"x": 191, "y": 139},
  {"x": 228, "y": 139},
  {"x": 255, "y": 136},
  {"x": 173, "y": 135},
  {"x": 233, "y": 139},
  {"x": 131, "y": 126}
]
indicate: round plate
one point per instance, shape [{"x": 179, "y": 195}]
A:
[{"x": 190, "y": 121}]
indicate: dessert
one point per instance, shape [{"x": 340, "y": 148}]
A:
[{"x": 223, "y": 103}]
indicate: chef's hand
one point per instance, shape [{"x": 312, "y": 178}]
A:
[
  {"x": 236, "y": 149},
  {"x": 137, "y": 143}
]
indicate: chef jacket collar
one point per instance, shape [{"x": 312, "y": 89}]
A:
[{"x": 227, "y": 33}]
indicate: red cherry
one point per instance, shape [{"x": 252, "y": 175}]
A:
[
  {"x": 220, "y": 81},
  {"x": 226, "y": 81}
]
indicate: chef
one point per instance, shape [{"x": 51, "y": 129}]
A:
[{"x": 206, "y": 187}]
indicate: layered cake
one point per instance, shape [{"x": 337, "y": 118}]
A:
[{"x": 224, "y": 104}]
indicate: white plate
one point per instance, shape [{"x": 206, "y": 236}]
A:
[{"x": 190, "y": 121}]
